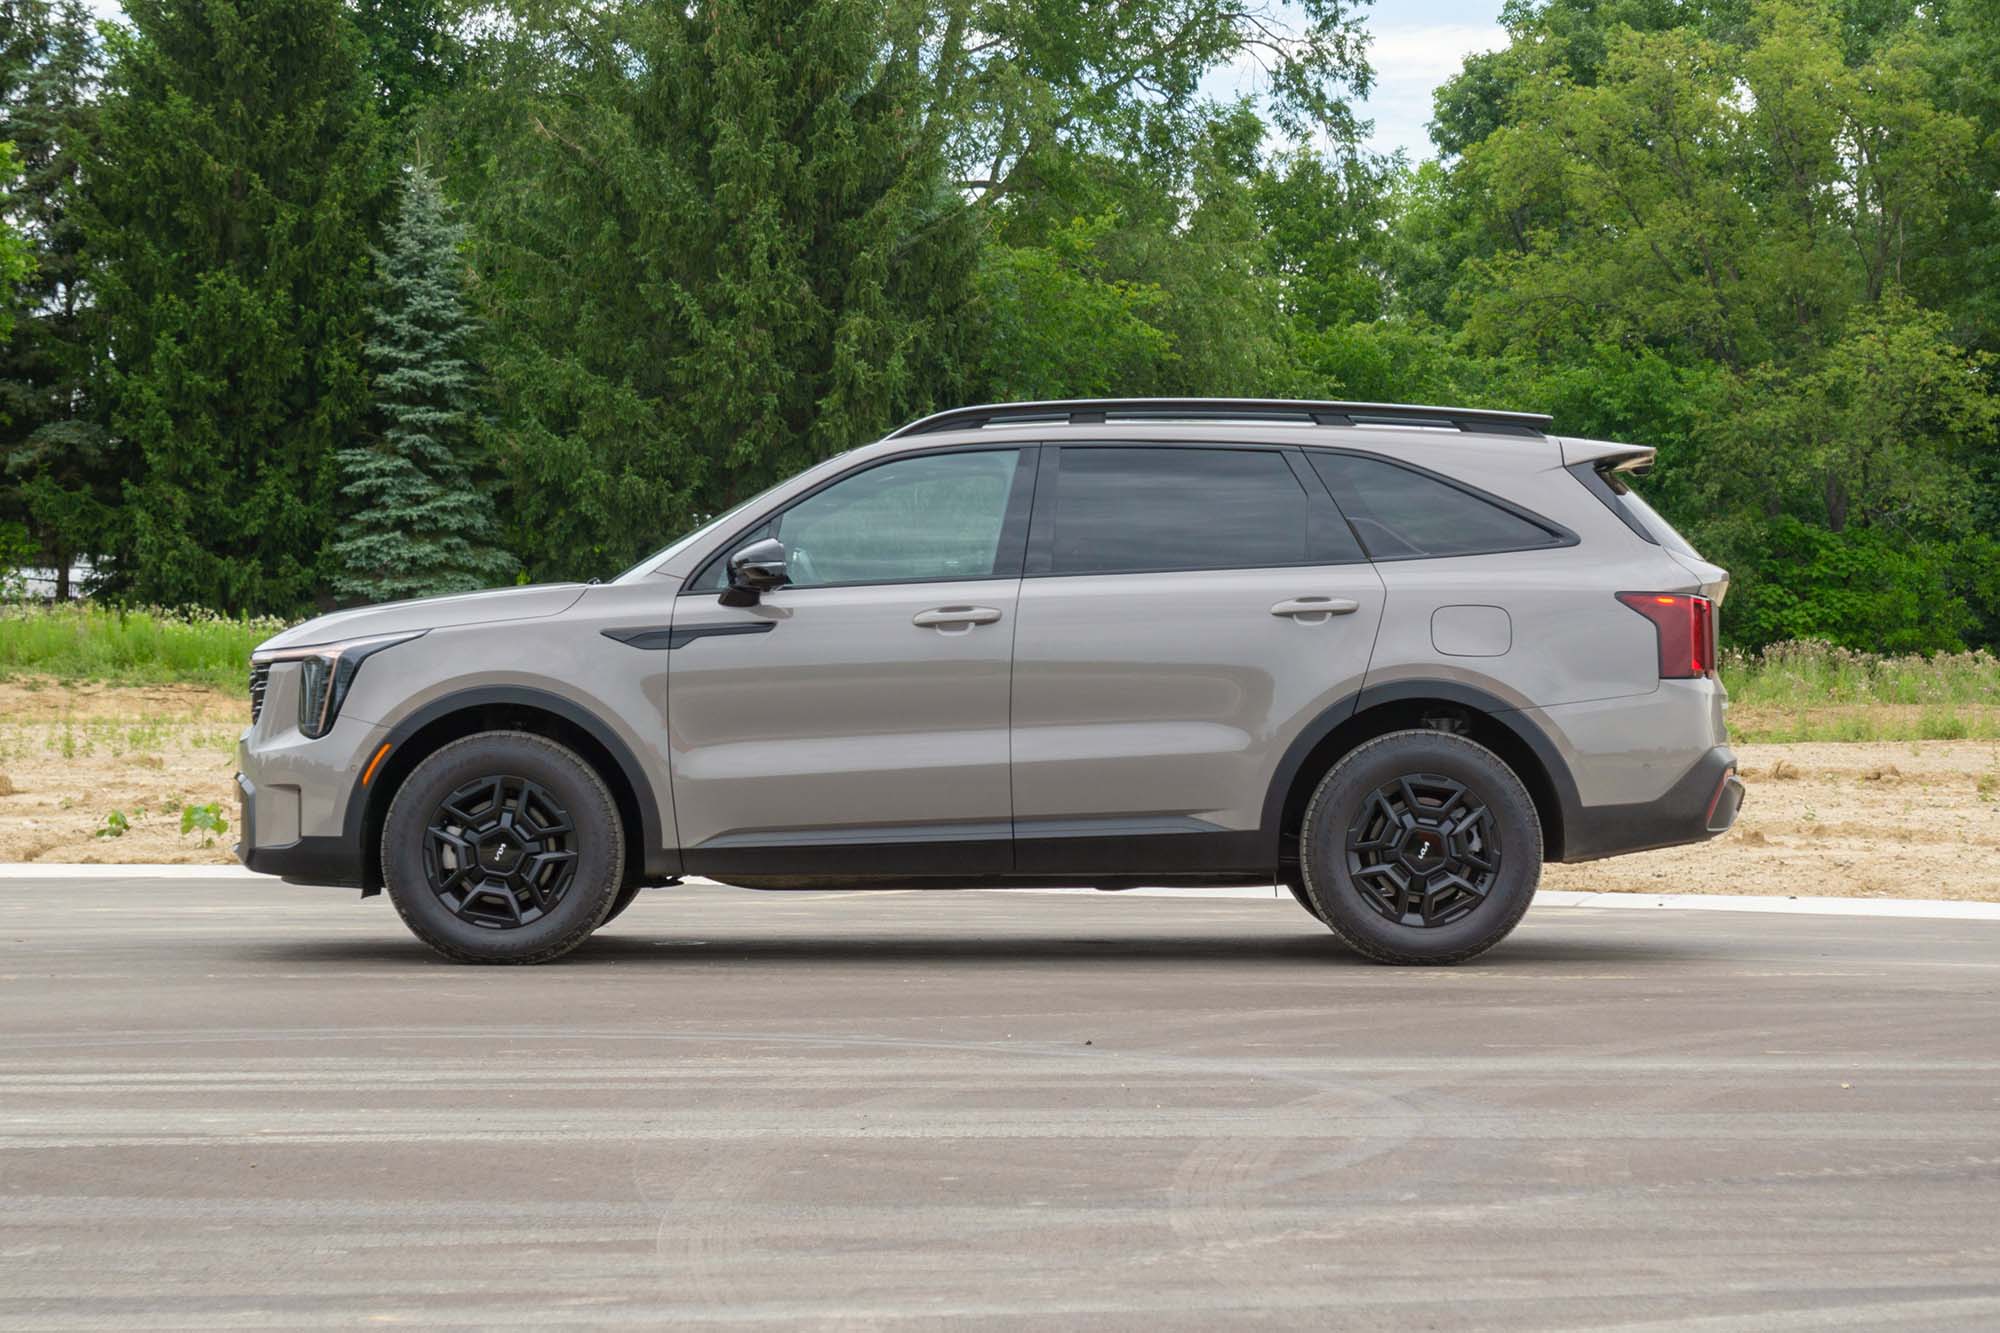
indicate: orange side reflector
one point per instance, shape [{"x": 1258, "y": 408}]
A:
[{"x": 374, "y": 763}]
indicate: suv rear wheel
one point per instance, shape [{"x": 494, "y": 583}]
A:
[
  {"x": 1420, "y": 847},
  {"x": 504, "y": 847}
]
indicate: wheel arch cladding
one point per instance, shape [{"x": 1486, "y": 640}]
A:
[
  {"x": 510, "y": 708},
  {"x": 1437, "y": 704}
]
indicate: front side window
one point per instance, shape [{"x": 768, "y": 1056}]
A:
[
  {"x": 1128, "y": 510},
  {"x": 1403, "y": 514},
  {"x": 934, "y": 516}
]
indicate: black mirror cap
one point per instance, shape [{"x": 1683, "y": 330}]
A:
[{"x": 754, "y": 570}]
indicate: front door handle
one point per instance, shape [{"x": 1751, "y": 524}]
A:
[
  {"x": 956, "y": 617},
  {"x": 1315, "y": 610}
]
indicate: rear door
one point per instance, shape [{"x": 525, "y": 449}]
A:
[
  {"x": 856, "y": 720},
  {"x": 1186, "y": 610}
]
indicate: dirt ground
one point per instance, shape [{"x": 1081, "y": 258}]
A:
[
  {"x": 70, "y": 755},
  {"x": 1915, "y": 819}
]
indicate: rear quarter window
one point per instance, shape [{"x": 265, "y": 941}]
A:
[
  {"x": 1401, "y": 513},
  {"x": 1631, "y": 508}
]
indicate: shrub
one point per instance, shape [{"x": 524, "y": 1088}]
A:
[{"x": 1858, "y": 588}]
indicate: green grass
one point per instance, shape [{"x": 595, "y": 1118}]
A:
[
  {"x": 84, "y": 641},
  {"x": 1817, "y": 692}
]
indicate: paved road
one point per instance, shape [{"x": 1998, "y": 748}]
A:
[{"x": 225, "y": 1104}]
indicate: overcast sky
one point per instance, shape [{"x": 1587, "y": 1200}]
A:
[{"x": 1417, "y": 45}]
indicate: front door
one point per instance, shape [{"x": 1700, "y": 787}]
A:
[
  {"x": 855, "y": 721},
  {"x": 1186, "y": 610}
]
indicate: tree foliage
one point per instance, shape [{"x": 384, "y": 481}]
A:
[
  {"x": 711, "y": 243},
  {"x": 421, "y": 523},
  {"x": 56, "y": 460},
  {"x": 716, "y": 245},
  {"x": 15, "y": 260},
  {"x": 227, "y": 210},
  {"x": 1751, "y": 207}
]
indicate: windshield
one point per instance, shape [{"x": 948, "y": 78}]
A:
[{"x": 709, "y": 528}]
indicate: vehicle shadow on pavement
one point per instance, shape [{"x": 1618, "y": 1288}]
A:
[{"x": 960, "y": 951}]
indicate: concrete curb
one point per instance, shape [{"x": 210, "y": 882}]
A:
[{"x": 1935, "y": 909}]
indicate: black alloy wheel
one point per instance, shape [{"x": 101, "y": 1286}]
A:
[
  {"x": 500, "y": 852},
  {"x": 1423, "y": 850},
  {"x": 504, "y": 847},
  {"x": 1420, "y": 846}
]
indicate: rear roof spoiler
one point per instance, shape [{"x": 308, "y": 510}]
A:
[{"x": 1607, "y": 455}]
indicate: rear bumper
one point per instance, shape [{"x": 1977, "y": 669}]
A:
[
  {"x": 1701, "y": 804},
  {"x": 304, "y": 860}
]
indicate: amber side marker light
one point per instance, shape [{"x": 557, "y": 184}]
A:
[{"x": 368, "y": 774}]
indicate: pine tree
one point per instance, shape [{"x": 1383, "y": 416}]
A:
[
  {"x": 61, "y": 477},
  {"x": 227, "y": 210},
  {"x": 421, "y": 526},
  {"x": 719, "y": 242}
]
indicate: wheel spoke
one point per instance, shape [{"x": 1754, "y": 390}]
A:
[
  {"x": 542, "y": 818},
  {"x": 1422, "y": 850},
  {"x": 546, "y": 875},
  {"x": 500, "y": 852}
]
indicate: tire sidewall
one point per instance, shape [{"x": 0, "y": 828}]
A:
[
  {"x": 1323, "y": 846},
  {"x": 573, "y": 783}
]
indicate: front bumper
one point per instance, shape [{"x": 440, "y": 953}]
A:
[
  {"x": 303, "y": 860},
  {"x": 1701, "y": 804}
]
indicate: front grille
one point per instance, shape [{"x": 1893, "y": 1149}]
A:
[{"x": 260, "y": 676}]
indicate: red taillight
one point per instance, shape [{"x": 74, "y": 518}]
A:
[{"x": 1686, "y": 626}]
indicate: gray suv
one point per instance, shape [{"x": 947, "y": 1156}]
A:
[{"x": 1391, "y": 657}]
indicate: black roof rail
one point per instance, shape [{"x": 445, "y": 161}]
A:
[{"x": 1102, "y": 411}]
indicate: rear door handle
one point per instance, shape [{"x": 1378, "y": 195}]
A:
[
  {"x": 956, "y": 617},
  {"x": 1315, "y": 610}
]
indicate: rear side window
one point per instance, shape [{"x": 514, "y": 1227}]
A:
[
  {"x": 1128, "y": 510},
  {"x": 1402, "y": 514},
  {"x": 1610, "y": 487}
]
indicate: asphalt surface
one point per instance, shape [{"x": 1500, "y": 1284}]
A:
[{"x": 226, "y": 1103}]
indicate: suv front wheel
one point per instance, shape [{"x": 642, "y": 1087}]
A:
[
  {"x": 1420, "y": 847},
  {"x": 503, "y": 847}
]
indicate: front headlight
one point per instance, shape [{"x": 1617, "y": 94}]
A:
[{"x": 326, "y": 670}]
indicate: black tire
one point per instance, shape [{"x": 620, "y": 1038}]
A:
[
  {"x": 1420, "y": 847},
  {"x": 555, "y": 890},
  {"x": 620, "y": 903},
  {"x": 1296, "y": 882}
]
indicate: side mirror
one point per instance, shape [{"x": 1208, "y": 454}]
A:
[{"x": 754, "y": 571}]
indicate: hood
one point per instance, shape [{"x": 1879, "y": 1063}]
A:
[{"x": 473, "y": 608}]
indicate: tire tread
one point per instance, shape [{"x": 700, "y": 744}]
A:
[
  {"x": 596, "y": 789},
  {"x": 1368, "y": 948}
]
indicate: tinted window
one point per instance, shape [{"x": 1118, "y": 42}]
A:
[
  {"x": 1126, "y": 510},
  {"x": 1400, "y": 513},
  {"x": 935, "y": 516},
  {"x": 1646, "y": 516}
]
